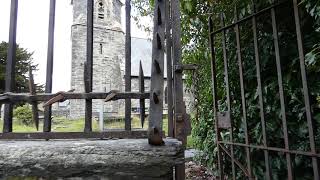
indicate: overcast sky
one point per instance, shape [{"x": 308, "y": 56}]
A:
[{"x": 32, "y": 34}]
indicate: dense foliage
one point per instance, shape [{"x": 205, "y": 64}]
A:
[
  {"x": 195, "y": 14},
  {"x": 23, "y": 115}
]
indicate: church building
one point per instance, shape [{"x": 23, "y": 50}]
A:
[{"x": 108, "y": 57}]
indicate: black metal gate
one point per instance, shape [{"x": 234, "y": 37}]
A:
[
  {"x": 166, "y": 37},
  {"x": 224, "y": 121}
]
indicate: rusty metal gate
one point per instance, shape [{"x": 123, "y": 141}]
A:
[
  {"x": 224, "y": 121},
  {"x": 166, "y": 38}
]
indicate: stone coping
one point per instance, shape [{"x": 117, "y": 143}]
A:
[{"x": 89, "y": 158}]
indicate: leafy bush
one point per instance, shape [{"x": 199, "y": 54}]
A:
[
  {"x": 23, "y": 114},
  {"x": 196, "y": 31},
  {"x": 195, "y": 14}
]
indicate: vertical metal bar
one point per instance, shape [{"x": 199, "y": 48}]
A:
[
  {"x": 179, "y": 106},
  {"x": 128, "y": 66},
  {"x": 89, "y": 66},
  {"x": 305, "y": 90},
  {"x": 141, "y": 90},
  {"x": 215, "y": 100},
  {"x": 196, "y": 93},
  {"x": 32, "y": 90},
  {"x": 243, "y": 100},
  {"x": 10, "y": 66},
  {"x": 258, "y": 70},
  {"x": 226, "y": 75},
  {"x": 169, "y": 69},
  {"x": 1, "y": 114},
  {"x": 157, "y": 69},
  {"x": 281, "y": 92},
  {"x": 101, "y": 118},
  {"x": 101, "y": 113},
  {"x": 48, "y": 88}
]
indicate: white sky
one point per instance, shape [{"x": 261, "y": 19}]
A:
[{"x": 32, "y": 34}]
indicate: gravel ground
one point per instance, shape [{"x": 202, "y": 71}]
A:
[{"x": 197, "y": 172}]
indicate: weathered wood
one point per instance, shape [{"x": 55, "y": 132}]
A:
[{"x": 23, "y": 97}]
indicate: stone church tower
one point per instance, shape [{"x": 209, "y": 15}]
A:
[{"x": 108, "y": 53}]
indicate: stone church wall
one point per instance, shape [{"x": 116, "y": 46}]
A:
[
  {"x": 107, "y": 73},
  {"x": 108, "y": 54},
  {"x": 108, "y": 58}
]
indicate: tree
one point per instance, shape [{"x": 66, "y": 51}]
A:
[
  {"x": 195, "y": 14},
  {"x": 23, "y": 61}
]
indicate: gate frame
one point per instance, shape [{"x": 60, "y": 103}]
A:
[{"x": 266, "y": 149}]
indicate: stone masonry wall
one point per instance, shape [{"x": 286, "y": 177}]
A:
[
  {"x": 108, "y": 56},
  {"x": 107, "y": 73},
  {"x": 108, "y": 60}
]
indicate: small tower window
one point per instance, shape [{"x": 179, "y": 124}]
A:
[
  {"x": 100, "y": 10},
  {"x": 101, "y": 49}
]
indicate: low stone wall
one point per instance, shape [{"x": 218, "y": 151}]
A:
[{"x": 89, "y": 159}]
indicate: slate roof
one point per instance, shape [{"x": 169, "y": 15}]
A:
[{"x": 141, "y": 50}]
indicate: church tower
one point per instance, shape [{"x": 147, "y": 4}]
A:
[{"x": 108, "y": 53}]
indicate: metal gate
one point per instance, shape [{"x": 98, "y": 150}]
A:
[
  {"x": 224, "y": 121},
  {"x": 166, "y": 38}
]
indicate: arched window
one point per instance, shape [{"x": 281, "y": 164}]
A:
[{"x": 100, "y": 9}]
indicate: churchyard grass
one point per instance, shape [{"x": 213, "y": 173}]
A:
[{"x": 61, "y": 124}]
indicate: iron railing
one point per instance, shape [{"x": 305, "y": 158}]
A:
[
  {"x": 223, "y": 119},
  {"x": 165, "y": 12},
  {"x": 166, "y": 38},
  {"x": 10, "y": 98}
]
